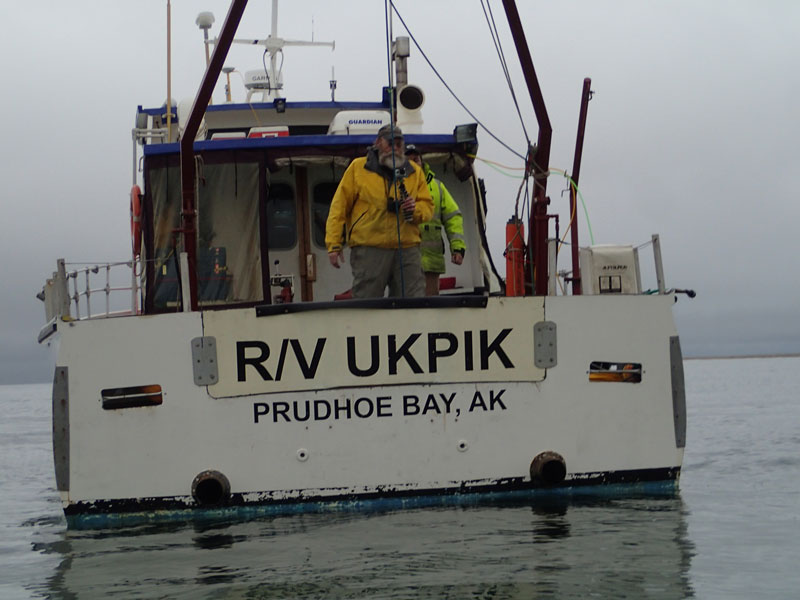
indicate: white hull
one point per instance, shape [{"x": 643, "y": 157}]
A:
[{"x": 399, "y": 434}]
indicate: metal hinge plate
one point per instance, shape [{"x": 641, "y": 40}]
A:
[
  {"x": 544, "y": 345},
  {"x": 204, "y": 360}
]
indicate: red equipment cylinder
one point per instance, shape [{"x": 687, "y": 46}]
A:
[{"x": 515, "y": 257}]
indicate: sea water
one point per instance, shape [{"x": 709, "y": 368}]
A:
[{"x": 732, "y": 530}]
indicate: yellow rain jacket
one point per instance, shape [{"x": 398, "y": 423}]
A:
[{"x": 359, "y": 214}]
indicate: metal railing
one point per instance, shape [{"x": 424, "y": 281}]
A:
[{"x": 91, "y": 292}]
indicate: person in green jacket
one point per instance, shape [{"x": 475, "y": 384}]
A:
[{"x": 447, "y": 216}]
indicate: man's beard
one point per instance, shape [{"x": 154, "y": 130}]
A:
[{"x": 391, "y": 160}]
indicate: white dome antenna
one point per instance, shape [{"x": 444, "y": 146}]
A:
[{"x": 204, "y": 21}]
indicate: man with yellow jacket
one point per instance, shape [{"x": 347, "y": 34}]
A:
[
  {"x": 376, "y": 210},
  {"x": 447, "y": 216}
]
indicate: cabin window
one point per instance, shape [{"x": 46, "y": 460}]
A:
[
  {"x": 165, "y": 194},
  {"x": 228, "y": 239},
  {"x": 320, "y": 206},
  {"x": 281, "y": 217}
]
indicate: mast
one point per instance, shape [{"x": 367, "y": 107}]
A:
[
  {"x": 273, "y": 33},
  {"x": 538, "y": 159},
  {"x": 577, "y": 287},
  {"x": 273, "y": 44},
  {"x": 169, "y": 71},
  {"x": 188, "y": 216}
]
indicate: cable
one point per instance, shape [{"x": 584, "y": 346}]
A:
[
  {"x": 569, "y": 225},
  {"x": 452, "y": 93},
  {"x": 572, "y": 215},
  {"x": 486, "y": 160},
  {"x": 391, "y": 124},
  {"x": 499, "y": 170},
  {"x": 583, "y": 203},
  {"x": 519, "y": 193},
  {"x": 498, "y": 46},
  {"x": 497, "y": 166},
  {"x": 526, "y": 206},
  {"x": 266, "y": 71}
]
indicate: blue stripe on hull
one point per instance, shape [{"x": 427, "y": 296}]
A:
[{"x": 243, "y": 512}]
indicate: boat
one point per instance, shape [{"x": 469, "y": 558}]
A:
[{"x": 238, "y": 379}]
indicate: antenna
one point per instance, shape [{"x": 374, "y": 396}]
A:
[
  {"x": 270, "y": 83},
  {"x": 228, "y": 71},
  {"x": 204, "y": 21}
]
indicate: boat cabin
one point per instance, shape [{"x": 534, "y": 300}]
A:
[{"x": 265, "y": 175}]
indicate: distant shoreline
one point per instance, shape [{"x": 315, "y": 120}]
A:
[{"x": 789, "y": 355}]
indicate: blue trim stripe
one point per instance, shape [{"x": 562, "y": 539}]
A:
[
  {"x": 299, "y": 105},
  {"x": 253, "y": 511},
  {"x": 270, "y": 106},
  {"x": 294, "y": 141}
]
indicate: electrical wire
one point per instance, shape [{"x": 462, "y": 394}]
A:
[
  {"x": 449, "y": 89},
  {"x": 492, "y": 162},
  {"x": 526, "y": 207},
  {"x": 250, "y": 104},
  {"x": 499, "y": 170},
  {"x": 583, "y": 203},
  {"x": 569, "y": 226},
  {"x": 266, "y": 71},
  {"x": 572, "y": 187},
  {"x": 523, "y": 184}
]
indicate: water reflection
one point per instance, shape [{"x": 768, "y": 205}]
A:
[
  {"x": 552, "y": 523},
  {"x": 622, "y": 548}
]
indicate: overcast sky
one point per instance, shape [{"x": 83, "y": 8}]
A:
[{"x": 692, "y": 133}]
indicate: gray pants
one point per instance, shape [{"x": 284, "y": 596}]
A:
[{"x": 375, "y": 268}]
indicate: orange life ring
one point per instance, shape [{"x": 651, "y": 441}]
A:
[{"x": 136, "y": 220}]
